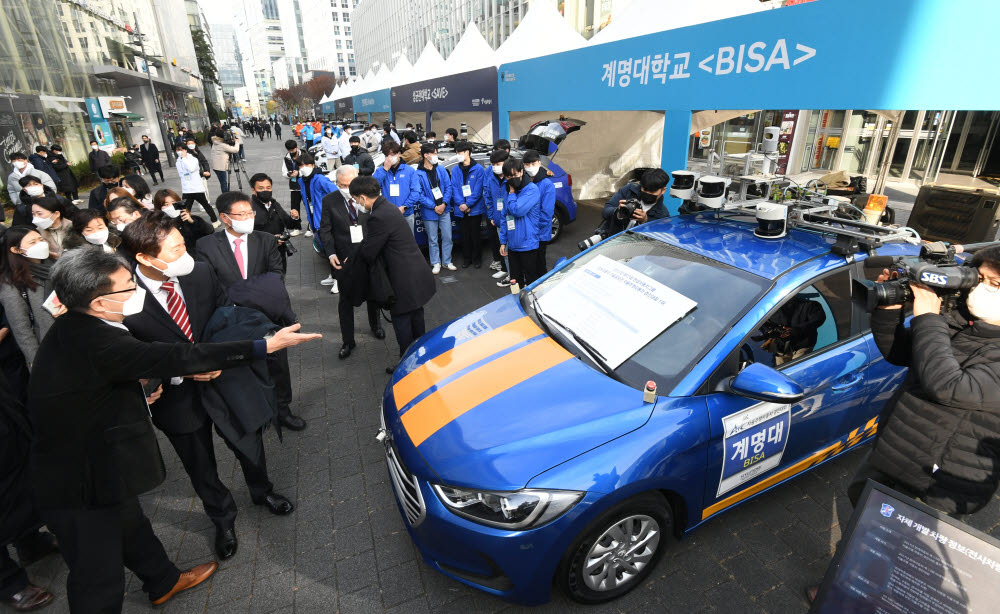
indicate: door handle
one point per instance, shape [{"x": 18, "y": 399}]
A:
[{"x": 851, "y": 380}]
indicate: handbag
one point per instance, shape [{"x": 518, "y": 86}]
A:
[{"x": 380, "y": 289}]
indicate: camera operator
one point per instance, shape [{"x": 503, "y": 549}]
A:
[
  {"x": 224, "y": 145},
  {"x": 269, "y": 217},
  {"x": 290, "y": 169},
  {"x": 649, "y": 191},
  {"x": 939, "y": 438}
]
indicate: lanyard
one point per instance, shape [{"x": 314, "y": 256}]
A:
[{"x": 351, "y": 212}]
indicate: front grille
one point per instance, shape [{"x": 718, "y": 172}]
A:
[{"x": 406, "y": 487}]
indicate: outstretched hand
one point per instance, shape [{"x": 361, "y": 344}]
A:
[{"x": 288, "y": 336}]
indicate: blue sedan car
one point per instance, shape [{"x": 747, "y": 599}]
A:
[{"x": 666, "y": 375}]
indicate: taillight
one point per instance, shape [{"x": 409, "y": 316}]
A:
[{"x": 569, "y": 178}]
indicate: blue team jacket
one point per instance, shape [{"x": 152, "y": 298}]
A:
[
  {"x": 523, "y": 208},
  {"x": 409, "y": 188},
  {"x": 493, "y": 190},
  {"x": 427, "y": 196},
  {"x": 475, "y": 202},
  {"x": 319, "y": 186},
  {"x": 547, "y": 198}
]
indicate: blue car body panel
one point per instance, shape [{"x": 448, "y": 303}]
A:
[{"x": 563, "y": 425}]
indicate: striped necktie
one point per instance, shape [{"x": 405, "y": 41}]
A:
[{"x": 178, "y": 312}]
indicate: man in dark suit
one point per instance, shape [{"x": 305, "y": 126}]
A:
[
  {"x": 341, "y": 230},
  {"x": 240, "y": 253},
  {"x": 150, "y": 154},
  {"x": 97, "y": 157},
  {"x": 268, "y": 216},
  {"x": 390, "y": 237},
  {"x": 93, "y": 447},
  {"x": 181, "y": 296},
  {"x": 110, "y": 177}
]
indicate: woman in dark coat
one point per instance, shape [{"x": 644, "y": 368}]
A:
[
  {"x": 192, "y": 227},
  {"x": 67, "y": 181}
]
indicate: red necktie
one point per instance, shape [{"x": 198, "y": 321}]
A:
[
  {"x": 178, "y": 312},
  {"x": 239, "y": 257}
]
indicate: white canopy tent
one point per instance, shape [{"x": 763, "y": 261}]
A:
[
  {"x": 401, "y": 73},
  {"x": 542, "y": 31},
  {"x": 379, "y": 82},
  {"x": 648, "y": 16},
  {"x": 430, "y": 64},
  {"x": 472, "y": 52}
]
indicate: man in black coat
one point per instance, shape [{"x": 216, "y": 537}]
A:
[
  {"x": 360, "y": 159},
  {"x": 269, "y": 217},
  {"x": 181, "y": 296},
  {"x": 241, "y": 253},
  {"x": 109, "y": 176},
  {"x": 40, "y": 160},
  {"x": 390, "y": 237},
  {"x": 649, "y": 190},
  {"x": 341, "y": 230},
  {"x": 98, "y": 157},
  {"x": 93, "y": 449},
  {"x": 150, "y": 155}
]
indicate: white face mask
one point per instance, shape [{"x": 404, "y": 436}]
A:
[
  {"x": 393, "y": 160},
  {"x": 178, "y": 268},
  {"x": 243, "y": 227},
  {"x": 129, "y": 189},
  {"x": 497, "y": 169},
  {"x": 42, "y": 223},
  {"x": 97, "y": 238},
  {"x": 170, "y": 211},
  {"x": 120, "y": 226},
  {"x": 305, "y": 171},
  {"x": 34, "y": 190},
  {"x": 20, "y": 164},
  {"x": 190, "y": 145},
  {"x": 346, "y": 193},
  {"x": 532, "y": 170},
  {"x": 94, "y": 147},
  {"x": 132, "y": 305},
  {"x": 359, "y": 207},
  {"x": 38, "y": 251},
  {"x": 433, "y": 160},
  {"x": 984, "y": 304}
]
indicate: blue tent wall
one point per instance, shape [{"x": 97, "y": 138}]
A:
[
  {"x": 828, "y": 54},
  {"x": 373, "y": 102}
]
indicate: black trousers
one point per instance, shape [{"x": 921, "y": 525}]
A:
[
  {"x": 277, "y": 368},
  {"x": 153, "y": 169},
  {"x": 523, "y": 266},
  {"x": 472, "y": 239},
  {"x": 192, "y": 197},
  {"x": 346, "y": 312},
  {"x": 542, "y": 267},
  {"x": 13, "y": 578},
  {"x": 97, "y": 544},
  {"x": 71, "y": 194},
  {"x": 197, "y": 453},
  {"x": 408, "y": 326},
  {"x": 495, "y": 240}
]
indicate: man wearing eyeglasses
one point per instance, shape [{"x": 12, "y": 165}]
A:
[
  {"x": 240, "y": 253},
  {"x": 94, "y": 450}
]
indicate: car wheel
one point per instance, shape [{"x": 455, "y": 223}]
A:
[
  {"x": 616, "y": 552},
  {"x": 557, "y": 226}
]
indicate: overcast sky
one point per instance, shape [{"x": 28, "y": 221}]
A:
[{"x": 217, "y": 11}]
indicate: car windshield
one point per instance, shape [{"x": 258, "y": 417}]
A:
[{"x": 703, "y": 299}]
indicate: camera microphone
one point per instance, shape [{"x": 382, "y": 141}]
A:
[{"x": 879, "y": 262}]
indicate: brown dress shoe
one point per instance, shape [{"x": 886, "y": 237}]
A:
[
  {"x": 189, "y": 579},
  {"x": 30, "y": 598}
]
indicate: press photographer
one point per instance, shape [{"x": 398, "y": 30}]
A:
[
  {"x": 637, "y": 202},
  {"x": 940, "y": 436}
]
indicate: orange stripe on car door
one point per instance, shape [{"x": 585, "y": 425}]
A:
[
  {"x": 460, "y": 357},
  {"x": 480, "y": 385}
]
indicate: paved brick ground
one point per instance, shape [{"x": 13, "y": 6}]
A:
[{"x": 346, "y": 549}]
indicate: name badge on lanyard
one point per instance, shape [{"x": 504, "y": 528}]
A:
[
  {"x": 356, "y": 234},
  {"x": 393, "y": 189},
  {"x": 510, "y": 223},
  {"x": 437, "y": 193},
  {"x": 499, "y": 204},
  {"x": 466, "y": 191}
]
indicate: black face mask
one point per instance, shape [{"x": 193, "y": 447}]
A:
[
  {"x": 515, "y": 182},
  {"x": 264, "y": 196},
  {"x": 111, "y": 184},
  {"x": 647, "y": 199},
  {"x": 355, "y": 148}
]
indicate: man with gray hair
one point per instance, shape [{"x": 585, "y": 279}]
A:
[
  {"x": 94, "y": 450},
  {"x": 342, "y": 226}
]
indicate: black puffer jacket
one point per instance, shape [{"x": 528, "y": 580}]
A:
[{"x": 942, "y": 436}]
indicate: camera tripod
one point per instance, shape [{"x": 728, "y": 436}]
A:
[{"x": 235, "y": 162}]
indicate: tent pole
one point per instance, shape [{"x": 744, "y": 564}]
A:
[{"x": 676, "y": 136}]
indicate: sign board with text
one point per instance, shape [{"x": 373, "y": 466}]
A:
[
  {"x": 899, "y": 555},
  {"x": 475, "y": 90},
  {"x": 373, "y": 102}
]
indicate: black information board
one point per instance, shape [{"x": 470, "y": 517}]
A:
[{"x": 899, "y": 555}]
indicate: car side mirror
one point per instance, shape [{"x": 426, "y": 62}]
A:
[{"x": 764, "y": 383}]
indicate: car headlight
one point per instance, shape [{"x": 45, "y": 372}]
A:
[{"x": 520, "y": 509}]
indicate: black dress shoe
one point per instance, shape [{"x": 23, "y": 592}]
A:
[
  {"x": 466, "y": 264},
  {"x": 225, "y": 543},
  {"x": 292, "y": 422},
  {"x": 345, "y": 350},
  {"x": 29, "y": 598},
  {"x": 477, "y": 264},
  {"x": 279, "y": 505},
  {"x": 378, "y": 332}
]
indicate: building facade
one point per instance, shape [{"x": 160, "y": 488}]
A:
[
  {"x": 227, "y": 58},
  {"x": 71, "y": 70},
  {"x": 270, "y": 31},
  {"x": 328, "y": 28}
]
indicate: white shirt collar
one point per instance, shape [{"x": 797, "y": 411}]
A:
[
  {"x": 232, "y": 239},
  {"x": 115, "y": 324},
  {"x": 153, "y": 285}
]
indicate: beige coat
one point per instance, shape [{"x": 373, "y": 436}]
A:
[{"x": 220, "y": 154}]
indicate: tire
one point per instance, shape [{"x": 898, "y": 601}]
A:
[
  {"x": 641, "y": 516},
  {"x": 558, "y": 225}
]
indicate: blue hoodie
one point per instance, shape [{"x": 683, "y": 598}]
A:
[
  {"x": 427, "y": 203},
  {"x": 319, "y": 186},
  {"x": 547, "y": 196},
  {"x": 493, "y": 191},
  {"x": 476, "y": 183},
  {"x": 521, "y": 209},
  {"x": 407, "y": 184}
]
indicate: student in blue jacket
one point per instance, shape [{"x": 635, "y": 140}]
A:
[
  {"x": 314, "y": 186},
  {"x": 519, "y": 230},
  {"x": 435, "y": 207},
  {"x": 547, "y": 198},
  {"x": 493, "y": 195},
  {"x": 467, "y": 181},
  {"x": 398, "y": 181}
]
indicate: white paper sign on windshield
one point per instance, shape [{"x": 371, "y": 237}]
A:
[{"x": 615, "y": 309}]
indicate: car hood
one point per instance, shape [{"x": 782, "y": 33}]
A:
[{"x": 490, "y": 401}]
